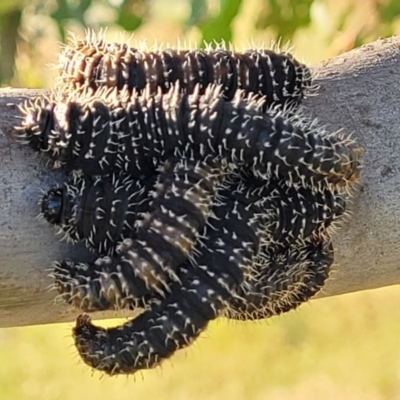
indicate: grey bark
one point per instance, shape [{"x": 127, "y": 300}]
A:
[{"x": 359, "y": 92}]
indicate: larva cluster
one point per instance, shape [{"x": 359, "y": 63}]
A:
[
  {"x": 197, "y": 182},
  {"x": 93, "y": 62}
]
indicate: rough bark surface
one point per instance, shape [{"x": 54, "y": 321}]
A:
[{"x": 359, "y": 92}]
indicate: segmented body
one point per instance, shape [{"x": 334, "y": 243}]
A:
[
  {"x": 136, "y": 133},
  {"x": 146, "y": 261},
  {"x": 207, "y": 284},
  {"x": 93, "y": 62}
]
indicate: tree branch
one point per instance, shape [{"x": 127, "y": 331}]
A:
[{"x": 359, "y": 92}]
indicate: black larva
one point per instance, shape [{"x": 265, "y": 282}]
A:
[
  {"x": 207, "y": 285},
  {"x": 146, "y": 261},
  {"x": 93, "y": 62},
  {"x": 115, "y": 132}
]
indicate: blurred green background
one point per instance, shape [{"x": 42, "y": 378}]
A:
[
  {"x": 30, "y": 30},
  {"x": 337, "y": 348}
]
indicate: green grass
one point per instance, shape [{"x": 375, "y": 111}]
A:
[{"x": 337, "y": 348}]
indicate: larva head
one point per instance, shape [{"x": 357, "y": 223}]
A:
[
  {"x": 59, "y": 206},
  {"x": 52, "y": 206}
]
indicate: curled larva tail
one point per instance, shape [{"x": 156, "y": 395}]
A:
[
  {"x": 231, "y": 241},
  {"x": 113, "y": 132},
  {"x": 93, "y": 63},
  {"x": 146, "y": 262},
  {"x": 281, "y": 281},
  {"x": 298, "y": 214}
]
